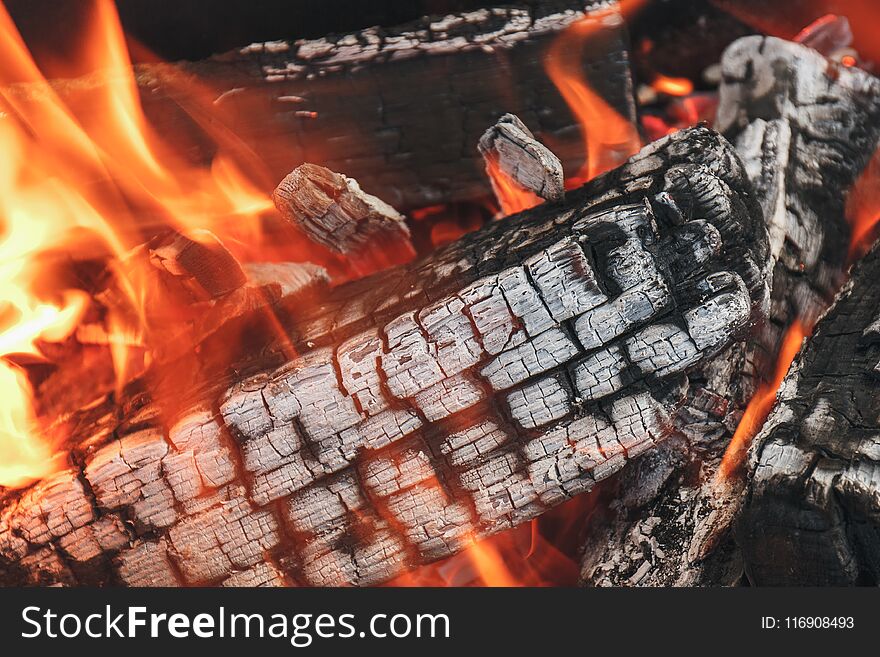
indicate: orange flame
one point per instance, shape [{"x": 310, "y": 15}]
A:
[
  {"x": 539, "y": 553},
  {"x": 762, "y": 402},
  {"x": 863, "y": 208},
  {"x": 672, "y": 86},
  {"x": 608, "y": 137},
  {"x": 89, "y": 165},
  {"x": 490, "y": 565},
  {"x": 509, "y": 194}
]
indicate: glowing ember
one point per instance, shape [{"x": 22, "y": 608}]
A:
[
  {"x": 673, "y": 86},
  {"x": 762, "y": 402},
  {"x": 73, "y": 171},
  {"x": 608, "y": 137},
  {"x": 826, "y": 33}
]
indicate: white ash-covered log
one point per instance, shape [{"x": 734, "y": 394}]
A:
[
  {"x": 429, "y": 405},
  {"x": 805, "y": 128}
]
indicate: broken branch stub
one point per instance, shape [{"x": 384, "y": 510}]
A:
[
  {"x": 522, "y": 158},
  {"x": 332, "y": 210},
  {"x": 431, "y": 404},
  {"x": 200, "y": 256}
]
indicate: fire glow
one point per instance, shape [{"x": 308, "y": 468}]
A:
[
  {"x": 80, "y": 176},
  {"x": 608, "y": 137},
  {"x": 510, "y": 196}
]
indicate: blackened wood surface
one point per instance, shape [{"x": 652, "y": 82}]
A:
[
  {"x": 398, "y": 109},
  {"x": 805, "y": 128},
  {"x": 812, "y": 515}
]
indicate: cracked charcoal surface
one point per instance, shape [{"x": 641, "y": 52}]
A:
[
  {"x": 805, "y": 128},
  {"x": 444, "y": 400}
]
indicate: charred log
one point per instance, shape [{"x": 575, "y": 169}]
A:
[
  {"x": 431, "y": 405},
  {"x": 399, "y": 109},
  {"x": 805, "y": 128},
  {"x": 811, "y": 513}
]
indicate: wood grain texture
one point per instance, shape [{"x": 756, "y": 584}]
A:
[
  {"x": 431, "y": 404},
  {"x": 806, "y": 127},
  {"x": 332, "y": 210},
  {"x": 512, "y": 147}
]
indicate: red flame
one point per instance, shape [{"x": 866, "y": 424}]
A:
[
  {"x": 787, "y": 19},
  {"x": 863, "y": 208}
]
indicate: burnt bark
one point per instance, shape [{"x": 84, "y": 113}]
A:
[
  {"x": 398, "y": 109},
  {"x": 430, "y": 405},
  {"x": 805, "y": 128},
  {"x": 811, "y": 513}
]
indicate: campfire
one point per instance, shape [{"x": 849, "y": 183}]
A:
[{"x": 553, "y": 294}]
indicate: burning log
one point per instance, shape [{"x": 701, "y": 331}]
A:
[
  {"x": 810, "y": 516},
  {"x": 398, "y": 109},
  {"x": 805, "y": 128},
  {"x": 332, "y": 210},
  {"x": 511, "y": 147},
  {"x": 430, "y": 405}
]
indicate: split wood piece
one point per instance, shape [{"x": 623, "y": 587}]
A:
[
  {"x": 811, "y": 515},
  {"x": 430, "y": 405},
  {"x": 332, "y": 210},
  {"x": 805, "y": 128},
  {"x": 397, "y": 108},
  {"x": 201, "y": 257},
  {"x": 511, "y": 147}
]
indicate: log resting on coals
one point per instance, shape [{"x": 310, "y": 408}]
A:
[
  {"x": 806, "y": 127},
  {"x": 432, "y": 404},
  {"x": 812, "y": 515}
]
